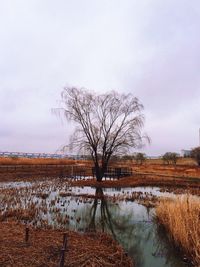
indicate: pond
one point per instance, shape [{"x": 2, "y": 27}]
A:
[{"x": 92, "y": 209}]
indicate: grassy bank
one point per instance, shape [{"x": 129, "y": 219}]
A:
[{"x": 181, "y": 219}]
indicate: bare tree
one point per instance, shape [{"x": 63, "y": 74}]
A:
[
  {"x": 140, "y": 158},
  {"x": 107, "y": 124},
  {"x": 170, "y": 157}
]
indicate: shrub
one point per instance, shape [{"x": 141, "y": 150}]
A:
[
  {"x": 14, "y": 157},
  {"x": 195, "y": 153},
  {"x": 170, "y": 158},
  {"x": 128, "y": 157},
  {"x": 140, "y": 158}
]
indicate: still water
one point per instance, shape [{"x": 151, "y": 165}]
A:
[{"x": 130, "y": 223}]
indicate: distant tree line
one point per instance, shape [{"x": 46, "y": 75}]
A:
[
  {"x": 172, "y": 157},
  {"x": 138, "y": 157},
  {"x": 167, "y": 158}
]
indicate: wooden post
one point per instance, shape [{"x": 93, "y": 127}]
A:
[
  {"x": 72, "y": 171},
  {"x": 26, "y": 234},
  {"x": 65, "y": 240},
  {"x": 62, "y": 258}
]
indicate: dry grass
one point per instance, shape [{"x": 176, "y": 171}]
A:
[
  {"x": 169, "y": 170},
  {"x": 40, "y": 161},
  {"x": 44, "y": 246},
  {"x": 180, "y": 161},
  {"x": 158, "y": 161},
  {"x": 181, "y": 219},
  {"x": 186, "y": 167},
  {"x": 7, "y": 161}
]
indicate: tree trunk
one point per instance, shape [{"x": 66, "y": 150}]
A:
[
  {"x": 100, "y": 168},
  {"x": 99, "y": 172}
]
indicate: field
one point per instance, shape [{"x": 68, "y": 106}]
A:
[
  {"x": 185, "y": 168},
  {"x": 10, "y": 160},
  {"x": 37, "y": 161}
]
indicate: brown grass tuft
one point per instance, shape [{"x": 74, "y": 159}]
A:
[{"x": 181, "y": 219}]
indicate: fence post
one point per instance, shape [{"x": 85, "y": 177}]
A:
[
  {"x": 62, "y": 258},
  {"x": 65, "y": 240},
  {"x": 26, "y": 234}
]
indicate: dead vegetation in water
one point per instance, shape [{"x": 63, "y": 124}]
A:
[
  {"x": 181, "y": 219},
  {"x": 146, "y": 199},
  {"x": 175, "y": 190},
  {"x": 36, "y": 204},
  {"x": 44, "y": 247},
  {"x": 166, "y": 183},
  {"x": 47, "y": 203}
]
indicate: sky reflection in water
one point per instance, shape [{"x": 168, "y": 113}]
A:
[{"x": 129, "y": 223}]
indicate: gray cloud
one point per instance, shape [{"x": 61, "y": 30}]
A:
[{"x": 150, "y": 48}]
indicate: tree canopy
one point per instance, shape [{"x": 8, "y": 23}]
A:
[{"x": 140, "y": 158}]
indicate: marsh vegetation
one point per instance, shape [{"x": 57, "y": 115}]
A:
[
  {"x": 127, "y": 214},
  {"x": 181, "y": 220}
]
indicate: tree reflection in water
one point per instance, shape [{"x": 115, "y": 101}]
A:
[
  {"x": 107, "y": 216},
  {"x": 130, "y": 224}
]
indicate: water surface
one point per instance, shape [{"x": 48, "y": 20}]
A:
[{"x": 130, "y": 223}]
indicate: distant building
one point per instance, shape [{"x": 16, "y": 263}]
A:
[{"x": 186, "y": 152}]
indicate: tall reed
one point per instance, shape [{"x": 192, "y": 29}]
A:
[{"x": 181, "y": 219}]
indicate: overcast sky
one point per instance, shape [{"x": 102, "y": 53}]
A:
[{"x": 148, "y": 47}]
